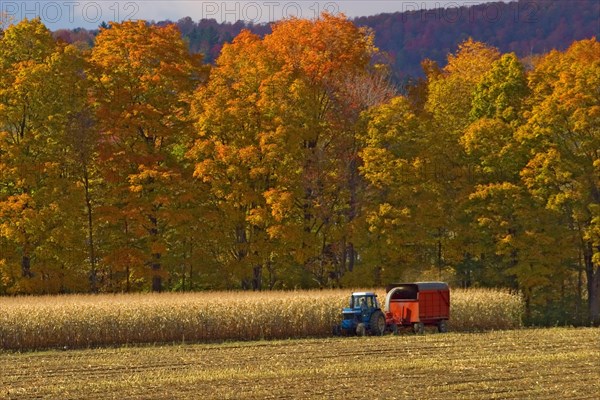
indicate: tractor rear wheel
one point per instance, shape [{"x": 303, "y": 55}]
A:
[
  {"x": 377, "y": 323},
  {"x": 360, "y": 329}
]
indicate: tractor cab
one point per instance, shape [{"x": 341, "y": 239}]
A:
[
  {"x": 362, "y": 302},
  {"x": 363, "y": 315}
]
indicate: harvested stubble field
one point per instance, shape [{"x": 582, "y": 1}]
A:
[
  {"x": 30, "y": 323},
  {"x": 538, "y": 364}
]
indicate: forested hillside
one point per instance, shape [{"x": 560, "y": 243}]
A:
[
  {"x": 526, "y": 27},
  {"x": 292, "y": 162}
]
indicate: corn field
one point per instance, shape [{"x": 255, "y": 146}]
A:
[{"x": 77, "y": 321}]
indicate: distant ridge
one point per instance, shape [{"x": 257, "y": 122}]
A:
[{"x": 525, "y": 27}]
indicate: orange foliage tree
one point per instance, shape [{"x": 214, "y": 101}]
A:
[
  {"x": 276, "y": 145},
  {"x": 142, "y": 78}
]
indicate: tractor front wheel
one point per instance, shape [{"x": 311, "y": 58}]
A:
[
  {"x": 337, "y": 330},
  {"x": 377, "y": 323}
]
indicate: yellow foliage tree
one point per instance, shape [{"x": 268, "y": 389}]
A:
[
  {"x": 41, "y": 231},
  {"x": 563, "y": 133}
]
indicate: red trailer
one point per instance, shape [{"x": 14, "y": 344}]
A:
[{"x": 418, "y": 304}]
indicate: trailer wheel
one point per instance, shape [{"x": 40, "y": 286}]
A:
[
  {"x": 443, "y": 326},
  {"x": 361, "y": 330},
  {"x": 377, "y": 323},
  {"x": 418, "y": 328}
]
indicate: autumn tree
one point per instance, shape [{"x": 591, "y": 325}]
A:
[
  {"x": 229, "y": 160},
  {"x": 562, "y": 131},
  {"x": 391, "y": 140},
  {"x": 451, "y": 92},
  {"x": 501, "y": 91},
  {"x": 516, "y": 243},
  {"x": 509, "y": 233},
  {"x": 330, "y": 59},
  {"x": 448, "y": 174},
  {"x": 295, "y": 164},
  {"x": 498, "y": 103},
  {"x": 81, "y": 143},
  {"x": 19, "y": 61},
  {"x": 417, "y": 171},
  {"x": 278, "y": 148},
  {"x": 142, "y": 77},
  {"x": 42, "y": 231}
]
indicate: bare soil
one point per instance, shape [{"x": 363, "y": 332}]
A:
[{"x": 536, "y": 364}]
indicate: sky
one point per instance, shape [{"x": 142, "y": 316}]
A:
[{"x": 89, "y": 14}]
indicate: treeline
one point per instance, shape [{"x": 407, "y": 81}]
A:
[
  {"x": 293, "y": 163},
  {"x": 525, "y": 27}
]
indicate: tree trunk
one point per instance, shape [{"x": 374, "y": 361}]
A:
[
  {"x": 191, "y": 278},
  {"x": 156, "y": 277},
  {"x": 594, "y": 298},
  {"x": 91, "y": 247},
  {"x": 272, "y": 275},
  {"x": 593, "y": 284},
  {"x": 439, "y": 255},
  {"x": 343, "y": 262},
  {"x": 377, "y": 276},
  {"x": 26, "y": 266},
  {"x": 257, "y": 278},
  {"x": 351, "y": 257},
  {"x": 527, "y": 298}
]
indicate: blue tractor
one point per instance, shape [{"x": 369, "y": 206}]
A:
[{"x": 363, "y": 316}]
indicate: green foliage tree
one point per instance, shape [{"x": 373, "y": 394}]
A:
[
  {"x": 510, "y": 234},
  {"x": 501, "y": 92}
]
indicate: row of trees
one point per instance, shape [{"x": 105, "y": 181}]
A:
[{"x": 294, "y": 163}]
